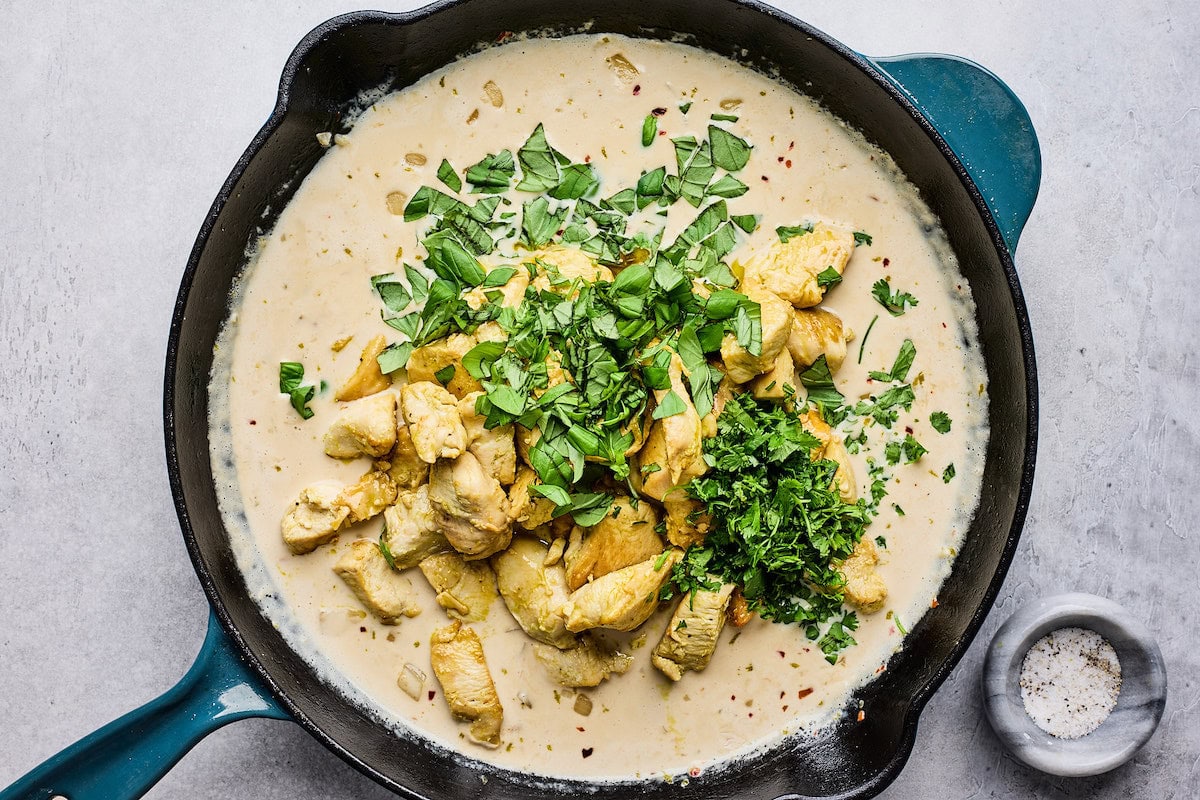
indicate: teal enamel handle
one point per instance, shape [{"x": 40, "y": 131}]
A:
[
  {"x": 985, "y": 125},
  {"x": 122, "y": 760}
]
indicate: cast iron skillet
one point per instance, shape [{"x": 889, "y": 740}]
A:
[{"x": 958, "y": 133}]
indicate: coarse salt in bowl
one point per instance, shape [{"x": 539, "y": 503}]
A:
[{"x": 1090, "y": 674}]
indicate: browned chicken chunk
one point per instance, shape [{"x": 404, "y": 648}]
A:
[
  {"x": 469, "y": 506},
  {"x": 384, "y": 592},
  {"x": 495, "y": 448},
  {"x": 425, "y": 362},
  {"x": 624, "y": 537},
  {"x": 410, "y": 531},
  {"x": 433, "y": 421},
  {"x": 534, "y": 593},
  {"x": 691, "y": 635},
  {"x": 315, "y": 519},
  {"x": 621, "y": 600},
  {"x": 364, "y": 427},
  {"x": 586, "y": 664},
  {"x": 456, "y": 655},
  {"x": 367, "y": 378}
]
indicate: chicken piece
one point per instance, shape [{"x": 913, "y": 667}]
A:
[
  {"x": 528, "y": 510},
  {"x": 833, "y": 448},
  {"x": 384, "y": 592},
  {"x": 495, "y": 448},
  {"x": 367, "y": 378},
  {"x": 777, "y": 383},
  {"x": 425, "y": 362},
  {"x": 586, "y": 664},
  {"x": 724, "y": 393},
  {"x": 624, "y": 537},
  {"x": 364, "y": 427},
  {"x": 817, "y": 332},
  {"x": 369, "y": 496},
  {"x": 315, "y": 519},
  {"x": 431, "y": 413},
  {"x": 465, "y": 589},
  {"x": 456, "y": 655},
  {"x": 526, "y": 439},
  {"x": 687, "y": 522},
  {"x": 621, "y": 600},
  {"x": 776, "y": 318},
  {"x": 533, "y": 592},
  {"x": 410, "y": 531},
  {"x": 865, "y": 589},
  {"x": 790, "y": 269},
  {"x": 403, "y": 464},
  {"x": 469, "y": 506},
  {"x": 674, "y": 443},
  {"x": 569, "y": 263},
  {"x": 738, "y": 611},
  {"x": 691, "y": 635}
]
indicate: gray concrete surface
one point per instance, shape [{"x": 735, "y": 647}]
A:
[{"x": 123, "y": 119}]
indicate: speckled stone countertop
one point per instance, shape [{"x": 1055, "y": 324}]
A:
[{"x": 123, "y": 120}]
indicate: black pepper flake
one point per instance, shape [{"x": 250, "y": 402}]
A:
[
  {"x": 362, "y": 628},
  {"x": 587, "y": 752},
  {"x": 255, "y": 422}
]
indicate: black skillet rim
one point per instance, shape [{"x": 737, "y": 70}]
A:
[{"x": 917, "y": 702}]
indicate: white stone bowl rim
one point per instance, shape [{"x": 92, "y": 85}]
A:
[{"x": 1143, "y": 684}]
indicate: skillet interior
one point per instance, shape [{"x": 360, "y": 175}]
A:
[{"x": 362, "y": 51}]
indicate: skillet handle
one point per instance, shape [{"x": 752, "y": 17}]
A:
[
  {"x": 985, "y": 125},
  {"x": 122, "y": 760}
]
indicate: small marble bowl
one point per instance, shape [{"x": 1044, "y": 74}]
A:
[{"x": 1139, "y": 706}]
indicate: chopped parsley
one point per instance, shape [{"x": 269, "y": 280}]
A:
[
  {"x": 940, "y": 421},
  {"x": 291, "y": 382}
]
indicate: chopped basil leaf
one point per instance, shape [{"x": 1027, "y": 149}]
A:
[
  {"x": 723, "y": 117},
  {"x": 394, "y": 294},
  {"x": 539, "y": 163},
  {"x": 685, "y": 107},
  {"x": 578, "y": 180},
  {"x": 747, "y": 222},
  {"x": 445, "y": 374},
  {"x": 728, "y": 186},
  {"x": 671, "y": 405},
  {"x": 900, "y": 367},
  {"x": 291, "y": 377},
  {"x": 447, "y": 175},
  {"x": 539, "y": 224},
  {"x": 729, "y": 152},
  {"x": 649, "y": 130},
  {"x": 493, "y": 174},
  {"x": 818, "y": 380},
  {"x": 384, "y": 550},
  {"x": 394, "y": 357}
]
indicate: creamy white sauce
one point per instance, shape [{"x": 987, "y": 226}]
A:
[{"x": 308, "y": 286}]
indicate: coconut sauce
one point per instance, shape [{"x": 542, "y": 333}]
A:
[{"x": 308, "y": 287}]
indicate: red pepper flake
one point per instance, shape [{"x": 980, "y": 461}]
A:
[
  {"x": 791, "y": 145},
  {"x": 637, "y": 89},
  {"x": 587, "y": 751},
  {"x": 781, "y": 653},
  {"x": 733, "y": 697},
  {"x": 780, "y": 159},
  {"x": 765, "y": 178},
  {"x": 504, "y": 36},
  {"x": 861, "y": 715},
  {"x": 751, "y": 715},
  {"x": 803, "y": 693},
  {"x": 784, "y": 708},
  {"x": 362, "y": 628},
  {"x": 788, "y": 163},
  {"x": 933, "y": 603},
  {"x": 432, "y": 694},
  {"x": 781, "y": 695},
  {"x": 587, "y": 159},
  {"x": 943, "y": 325},
  {"x": 662, "y": 133},
  {"x": 579, "y": 728},
  {"x": 881, "y": 668},
  {"x": 694, "y": 772},
  {"x": 255, "y": 422},
  {"x": 908, "y": 429},
  {"x": 886, "y": 261},
  {"x": 658, "y": 112}
]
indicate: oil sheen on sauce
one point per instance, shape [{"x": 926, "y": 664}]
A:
[{"x": 308, "y": 286}]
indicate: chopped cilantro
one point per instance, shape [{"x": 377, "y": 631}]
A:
[
  {"x": 948, "y": 473},
  {"x": 940, "y": 421},
  {"x": 862, "y": 237},
  {"x": 897, "y": 303},
  {"x": 685, "y": 107},
  {"x": 913, "y": 450},
  {"x": 863, "y": 343}
]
